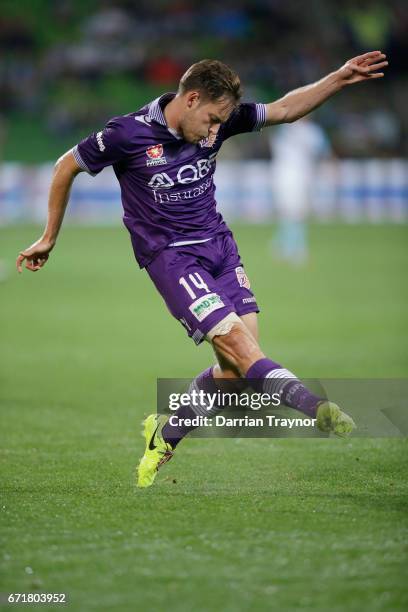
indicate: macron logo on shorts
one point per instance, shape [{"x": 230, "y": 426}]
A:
[{"x": 204, "y": 306}]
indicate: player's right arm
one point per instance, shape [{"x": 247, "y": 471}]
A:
[
  {"x": 97, "y": 151},
  {"x": 36, "y": 255}
]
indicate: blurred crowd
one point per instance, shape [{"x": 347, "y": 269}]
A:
[{"x": 69, "y": 65}]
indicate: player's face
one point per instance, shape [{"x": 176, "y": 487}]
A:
[{"x": 202, "y": 118}]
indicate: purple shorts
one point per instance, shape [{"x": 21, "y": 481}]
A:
[{"x": 202, "y": 283}]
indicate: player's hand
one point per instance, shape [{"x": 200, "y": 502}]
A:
[
  {"x": 35, "y": 256},
  {"x": 363, "y": 67}
]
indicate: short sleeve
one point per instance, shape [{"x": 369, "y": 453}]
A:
[
  {"x": 247, "y": 117},
  {"x": 103, "y": 148}
]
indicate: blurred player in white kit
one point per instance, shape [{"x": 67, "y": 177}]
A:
[{"x": 296, "y": 148}]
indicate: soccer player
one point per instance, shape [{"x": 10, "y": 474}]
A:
[
  {"x": 164, "y": 157},
  {"x": 296, "y": 149}
]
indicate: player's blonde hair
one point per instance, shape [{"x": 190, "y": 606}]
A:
[{"x": 214, "y": 79}]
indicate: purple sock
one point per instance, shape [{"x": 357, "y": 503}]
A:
[
  {"x": 173, "y": 433},
  {"x": 176, "y": 432},
  {"x": 266, "y": 376}
]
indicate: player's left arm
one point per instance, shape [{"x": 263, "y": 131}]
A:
[{"x": 302, "y": 101}]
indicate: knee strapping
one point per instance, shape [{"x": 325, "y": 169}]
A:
[{"x": 224, "y": 327}]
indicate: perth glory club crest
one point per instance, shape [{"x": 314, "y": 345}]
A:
[
  {"x": 155, "y": 155},
  {"x": 242, "y": 278},
  {"x": 155, "y": 151}
]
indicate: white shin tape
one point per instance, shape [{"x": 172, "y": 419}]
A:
[{"x": 224, "y": 327}]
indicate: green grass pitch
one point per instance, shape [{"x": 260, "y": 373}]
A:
[{"x": 231, "y": 525}]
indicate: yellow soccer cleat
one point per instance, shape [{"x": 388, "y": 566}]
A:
[
  {"x": 331, "y": 419},
  {"x": 157, "y": 451}
]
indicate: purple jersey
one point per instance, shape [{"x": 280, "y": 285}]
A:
[{"x": 167, "y": 186}]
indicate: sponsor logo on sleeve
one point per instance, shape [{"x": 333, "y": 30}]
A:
[
  {"x": 204, "y": 306},
  {"x": 155, "y": 156},
  {"x": 242, "y": 278},
  {"x": 99, "y": 140}
]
